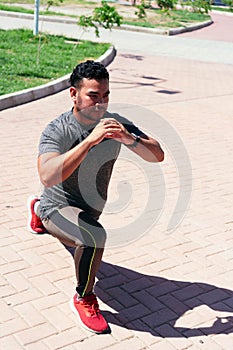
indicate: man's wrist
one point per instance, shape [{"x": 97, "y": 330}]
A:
[{"x": 136, "y": 140}]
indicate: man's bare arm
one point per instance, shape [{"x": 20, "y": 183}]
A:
[{"x": 54, "y": 167}]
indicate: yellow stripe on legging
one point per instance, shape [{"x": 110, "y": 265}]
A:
[{"x": 89, "y": 273}]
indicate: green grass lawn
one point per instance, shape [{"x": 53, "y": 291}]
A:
[
  {"x": 27, "y": 60},
  {"x": 175, "y": 18},
  {"x": 18, "y": 8},
  {"x": 222, "y": 8}
]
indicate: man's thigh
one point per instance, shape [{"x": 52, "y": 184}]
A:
[{"x": 74, "y": 227}]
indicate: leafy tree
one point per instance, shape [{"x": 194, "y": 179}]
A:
[
  {"x": 141, "y": 10},
  {"x": 166, "y": 4},
  {"x": 103, "y": 16},
  {"x": 50, "y": 3},
  {"x": 199, "y": 6}
]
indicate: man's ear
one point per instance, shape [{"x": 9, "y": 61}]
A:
[{"x": 73, "y": 93}]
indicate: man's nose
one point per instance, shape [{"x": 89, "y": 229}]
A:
[{"x": 100, "y": 101}]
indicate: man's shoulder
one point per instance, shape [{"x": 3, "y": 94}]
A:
[
  {"x": 62, "y": 119},
  {"x": 65, "y": 121}
]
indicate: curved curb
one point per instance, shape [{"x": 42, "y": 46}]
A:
[
  {"x": 166, "y": 31},
  {"x": 69, "y": 20},
  {"x": 190, "y": 28},
  {"x": 131, "y": 28},
  {"x": 35, "y": 93}
]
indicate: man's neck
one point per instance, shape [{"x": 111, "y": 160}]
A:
[{"x": 85, "y": 122}]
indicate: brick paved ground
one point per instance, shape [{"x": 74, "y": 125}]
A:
[
  {"x": 220, "y": 30},
  {"x": 164, "y": 290}
]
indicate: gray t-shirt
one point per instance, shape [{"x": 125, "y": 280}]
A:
[{"x": 87, "y": 187}]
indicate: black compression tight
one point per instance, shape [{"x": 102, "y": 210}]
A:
[{"x": 75, "y": 228}]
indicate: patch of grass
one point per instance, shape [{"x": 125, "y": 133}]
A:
[
  {"x": 138, "y": 23},
  {"x": 27, "y": 60},
  {"x": 184, "y": 16},
  {"x": 4, "y": 7},
  {"x": 174, "y": 18},
  {"x": 221, "y": 8},
  {"x": 21, "y": 9}
]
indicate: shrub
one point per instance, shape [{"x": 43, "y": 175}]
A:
[
  {"x": 141, "y": 12},
  {"x": 105, "y": 16},
  {"x": 50, "y": 3},
  {"x": 199, "y": 6},
  {"x": 165, "y": 4}
]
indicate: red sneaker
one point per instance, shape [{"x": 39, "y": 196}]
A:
[
  {"x": 34, "y": 222},
  {"x": 87, "y": 309}
]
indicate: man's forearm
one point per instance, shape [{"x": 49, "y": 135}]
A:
[{"x": 148, "y": 149}]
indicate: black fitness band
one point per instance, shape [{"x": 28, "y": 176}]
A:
[{"x": 134, "y": 144}]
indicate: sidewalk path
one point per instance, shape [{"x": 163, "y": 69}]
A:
[
  {"x": 164, "y": 290},
  {"x": 220, "y": 30}
]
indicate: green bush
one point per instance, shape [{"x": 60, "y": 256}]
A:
[
  {"x": 199, "y": 6},
  {"x": 50, "y": 3},
  {"x": 166, "y": 4},
  {"x": 105, "y": 16},
  {"x": 141, "y": 10}
]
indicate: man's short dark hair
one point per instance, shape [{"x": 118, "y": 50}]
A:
[{"x": 89, "y": 70}]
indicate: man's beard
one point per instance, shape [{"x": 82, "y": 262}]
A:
[{"x": 92, "y": 113}]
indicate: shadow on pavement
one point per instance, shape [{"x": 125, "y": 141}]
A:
[
  {"x": 133, "y": 57},
  {"x": 155, "y": 304},
  {"x": 124, "y": 83}
]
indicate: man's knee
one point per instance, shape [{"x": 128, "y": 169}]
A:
[{"x": 93, "y": 231}]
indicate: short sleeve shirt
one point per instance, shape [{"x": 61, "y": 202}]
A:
[{"x": 87, "y": 186}]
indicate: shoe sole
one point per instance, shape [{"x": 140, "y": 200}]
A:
[
  {"x": 73, "y": 308},
  {"x": 30, "y": 215}
]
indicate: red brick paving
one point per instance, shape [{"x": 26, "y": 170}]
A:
[
  {"x": 220, "y": 30},
  {"x": 163, "y": 291}
]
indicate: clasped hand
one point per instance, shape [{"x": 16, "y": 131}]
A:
[{"x": 109, "y": 128}]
